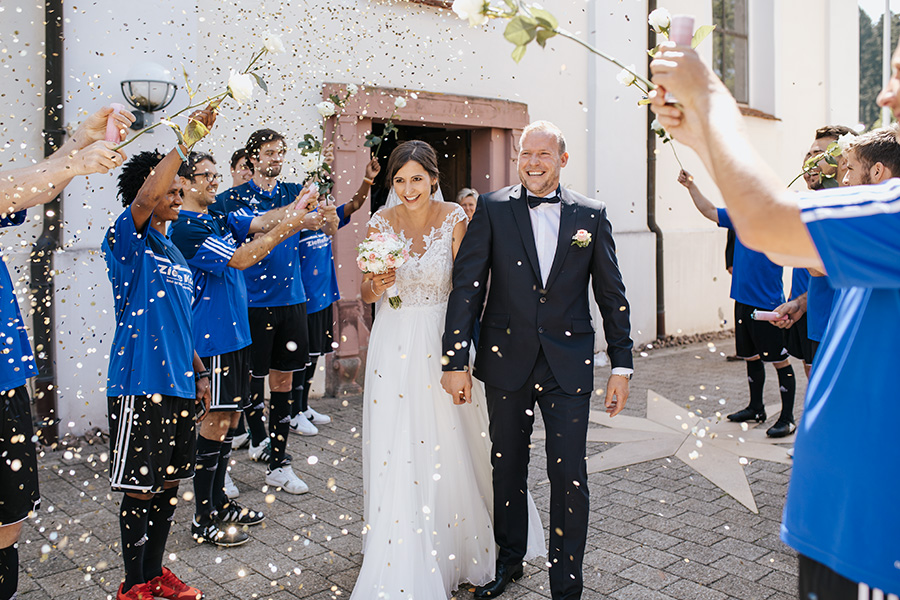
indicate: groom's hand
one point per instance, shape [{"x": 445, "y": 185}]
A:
[
  {"x": 459, "y": 385},
  {"x": 616, "y": 394}
]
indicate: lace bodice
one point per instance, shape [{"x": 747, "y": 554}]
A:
[{"x": 426, "y": 279}]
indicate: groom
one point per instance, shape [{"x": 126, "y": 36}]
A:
[{"x": 541, "y": 245}]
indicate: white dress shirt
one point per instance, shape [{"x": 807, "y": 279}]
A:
[{"x": 545, "y": 226}]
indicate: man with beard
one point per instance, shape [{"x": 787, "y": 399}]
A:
[
  {"x": 808, "y": 311},
  {"x": 277, "y": 306},
  {"x": 841, "y": 509}
]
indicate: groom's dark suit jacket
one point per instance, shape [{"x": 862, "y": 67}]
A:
[{"x": 521, "y": 315}]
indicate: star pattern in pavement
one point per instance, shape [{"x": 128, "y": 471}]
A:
[{"x": 713, "y": 446}]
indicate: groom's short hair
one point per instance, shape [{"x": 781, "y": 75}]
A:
[{"x": 548, "y": 127}]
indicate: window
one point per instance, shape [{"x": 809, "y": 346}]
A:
[{"x": 730, "y": 46}]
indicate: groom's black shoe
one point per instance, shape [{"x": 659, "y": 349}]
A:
[{"x": 505, "y": 574}]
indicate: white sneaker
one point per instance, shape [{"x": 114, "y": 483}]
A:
[
  {"x": 231, "y": 490},
  {"x": 300, "y": 424},
  {"x": 260, "y": 453},
  {"x": 317, "y": 418},
  {"x": 284, "y": 478},
  {"x": 240, "y": 440}
]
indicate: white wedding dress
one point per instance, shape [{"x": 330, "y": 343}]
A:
[{"x": 426, "y": 461}]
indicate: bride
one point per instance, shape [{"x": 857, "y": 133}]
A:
[{"x": 426, "y": 462}]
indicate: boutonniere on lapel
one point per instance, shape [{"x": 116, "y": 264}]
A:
[{"x": 582, "y": 238}]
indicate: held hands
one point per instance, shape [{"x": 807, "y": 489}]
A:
[
  {"x": 329, "y": 215},
  {"x": 459, "y": 385},
  {"x": 617, "y": 389}
]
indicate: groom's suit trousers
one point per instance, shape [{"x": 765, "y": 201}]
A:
[{"x": 566, "y": 420}]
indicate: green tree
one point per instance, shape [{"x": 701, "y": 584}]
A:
[{"x": 870, "y": 36}]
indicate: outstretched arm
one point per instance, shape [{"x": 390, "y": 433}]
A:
[
  {"x": 372, "y": 171},
  {"x": 252, "y": 252},
  {"x": 764, "y": 214},
  {"x": 706, "y": 208}
]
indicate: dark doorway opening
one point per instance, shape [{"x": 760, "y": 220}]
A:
[{"x": 454, "y": 151}]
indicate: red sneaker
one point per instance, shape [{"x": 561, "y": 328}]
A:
[
  {"x": 169, "y": 586},
  {"x": 140, "y": 591}
]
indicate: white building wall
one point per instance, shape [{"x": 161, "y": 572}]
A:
[{"x": 415, "y": 47}]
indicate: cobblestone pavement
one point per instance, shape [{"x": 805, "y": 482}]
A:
[{"x": 658, "y": 530}]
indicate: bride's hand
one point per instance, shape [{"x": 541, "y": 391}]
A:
[{"x": 381, "y": 282}]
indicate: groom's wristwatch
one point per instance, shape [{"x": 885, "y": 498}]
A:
[{"x": 625, "y": 375}]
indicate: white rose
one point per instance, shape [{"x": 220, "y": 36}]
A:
[
  {"x": 309, "y": 163},
  {"x": 844, "y": 141},
  {"x": 659, "y": 20},
  {"x": 657, "y": 127},
  {"x": 400, "y": 102},
  {"x": 274, "y": 44},
  {"x": 352, "y": 89},
  {"x": 626, "y": 76},
  {"x": 240, "y": 85},
  {"x": 472, "y": 10},
  {"x": 325, "y": 108}
]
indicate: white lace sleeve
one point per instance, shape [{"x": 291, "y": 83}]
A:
[
  {"x": 457, "y": 215},
  {"x": 379, "y": 223}
]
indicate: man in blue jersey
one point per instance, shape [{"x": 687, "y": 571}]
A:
[
  {"x": 155, "y": 377},
  {"x": 320, "y": 283},
  {"x": 841, "y": 511},
  {"x": 84, "y": 153},
  {"x": 756, "y": 284},
  {"x": 221, "y": 330},
  {"x": 810, "y": 293},
  {"x": 277, "y": 301}
]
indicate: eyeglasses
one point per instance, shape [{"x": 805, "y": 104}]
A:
[{"x": 210, "y": 177}]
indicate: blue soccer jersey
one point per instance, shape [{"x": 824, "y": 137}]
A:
[
  {"x": 16, "y": 357},
  {"x": 819, "y": 300},
  {"x": 317, "y": 267},
  {"x": 152, "y": 350},
  {"x": 276, "y": 279},
  {"x": 799, "y": 282},
  {"x": 841, "y": 507},
  {"x": 207, "y": 241},
  {"x": 755, "y": 279}
]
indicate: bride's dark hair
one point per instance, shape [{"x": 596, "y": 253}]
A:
[{"x": 418, "y": 151}]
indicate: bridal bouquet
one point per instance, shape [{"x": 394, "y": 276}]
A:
[{"x": 380, "y": 253}]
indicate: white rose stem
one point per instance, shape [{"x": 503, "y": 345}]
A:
[{"x": 681, "y": 31}]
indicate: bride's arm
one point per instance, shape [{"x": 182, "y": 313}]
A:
[{"x": 459, "y": 232}]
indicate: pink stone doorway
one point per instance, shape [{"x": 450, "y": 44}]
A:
[{"x": 493, "y": 128}]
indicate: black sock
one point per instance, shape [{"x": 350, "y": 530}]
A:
[
  {"x": 162, "y": 509},
  {"x": 9, "y": 572},
  {"x": 133, "y": 518},
  {"x": 308, "y": 374},
  {"x": 279, "y": 423},
  {"x": 254, "y": 413},
  {"x": 297, "y": 380},
  {"x": 787, "y": 383},
  {"x": 756, "y": 377},
  {"x": 207, "y": 463},
  {"x": 218, "y": 490}
]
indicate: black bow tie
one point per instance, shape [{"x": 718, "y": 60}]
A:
[{"x": 534, "y": 201}]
